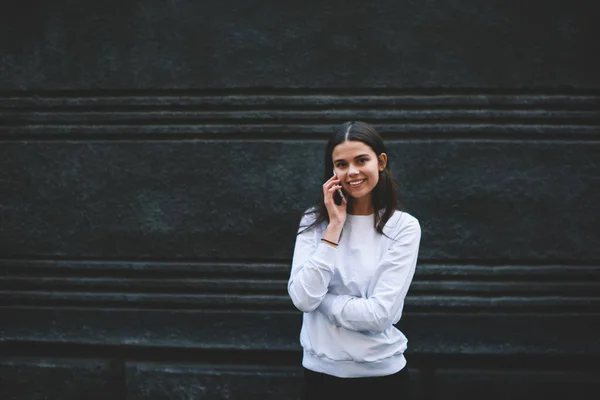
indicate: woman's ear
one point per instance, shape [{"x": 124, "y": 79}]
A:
[{"x": 382, "y": 158}]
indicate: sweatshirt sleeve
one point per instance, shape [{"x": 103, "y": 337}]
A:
[
  {"x": 312, "y": 269},
  {"x": 382, "y": 307}
]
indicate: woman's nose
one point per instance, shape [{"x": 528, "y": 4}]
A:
[{"x": 352, "y": 170}]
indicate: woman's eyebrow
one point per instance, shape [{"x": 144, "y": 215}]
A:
[{"x": 358, "y": 156}]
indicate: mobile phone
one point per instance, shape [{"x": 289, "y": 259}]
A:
[{"x": 338, "y": 196}]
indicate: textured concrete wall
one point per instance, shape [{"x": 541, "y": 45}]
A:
[{"x": 155, "y": 158}]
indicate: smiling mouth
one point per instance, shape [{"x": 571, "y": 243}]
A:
[{"x": 355, "y": 184}]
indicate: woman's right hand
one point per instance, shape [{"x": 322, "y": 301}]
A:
[{"x": 337, "y": 214}]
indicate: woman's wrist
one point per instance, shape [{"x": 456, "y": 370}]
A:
[
  {"x": 335, "y": 226},
  {"x": 329, "y": 242},
  {"x": 333, "y": 232}
]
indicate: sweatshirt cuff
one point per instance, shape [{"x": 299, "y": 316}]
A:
[{"x": 324, "y": 256}]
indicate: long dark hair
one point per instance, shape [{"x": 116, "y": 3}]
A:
[{"x": 386, "y": 196}]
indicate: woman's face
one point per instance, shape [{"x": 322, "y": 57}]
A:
[{"x": 357, "y": 166}]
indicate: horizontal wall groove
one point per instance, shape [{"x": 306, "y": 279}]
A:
[
  {"x": 282, "y": 132},
  {"x": 189, "y": 269},
  {"x": 446, "y": 121},
  {"x": 221, "y": 105},
  {"x": 293, "y": 101},
  {"x": 266, "y": 263},
  {"x": 218, "y": 360},
  {"x": 297, "y": 115},
  {"x": 231, "y": 302},
  {"x": 205, "y": 285},
  {"x": 385, "y": 116},
  {"x": 228, "y": 286},
  {"x": 304, "y": 91}
]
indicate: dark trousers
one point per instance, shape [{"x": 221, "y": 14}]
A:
[{"x": 319, "y": 386}]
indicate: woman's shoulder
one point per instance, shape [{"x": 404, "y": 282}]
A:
[
  {"x": 309, "y": 217},
  {"x": 400, "y": 220}
]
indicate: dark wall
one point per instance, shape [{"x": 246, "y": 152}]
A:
[{"x": 155, "y": 158}]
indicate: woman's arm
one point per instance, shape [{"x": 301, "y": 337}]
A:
[
  {"x": 312, "y": 267},
  {"x": 313, "y": 262},
  {"x": 383, "y": 305}
]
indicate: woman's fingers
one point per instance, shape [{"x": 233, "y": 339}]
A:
[
  {"x": 330, "y": 193},
  {"x": 330, "y": 182},
  {"x": 330, "y": 187}
]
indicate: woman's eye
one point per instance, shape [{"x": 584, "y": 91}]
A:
[{"x": 362, "y": 160}]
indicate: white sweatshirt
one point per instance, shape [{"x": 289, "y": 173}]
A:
[{"x": 353, "y": 295}]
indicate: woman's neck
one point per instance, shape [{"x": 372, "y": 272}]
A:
[{"x": 362, "y": 206}]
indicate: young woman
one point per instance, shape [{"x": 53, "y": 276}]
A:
[{"x": 354, "y": 260}]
